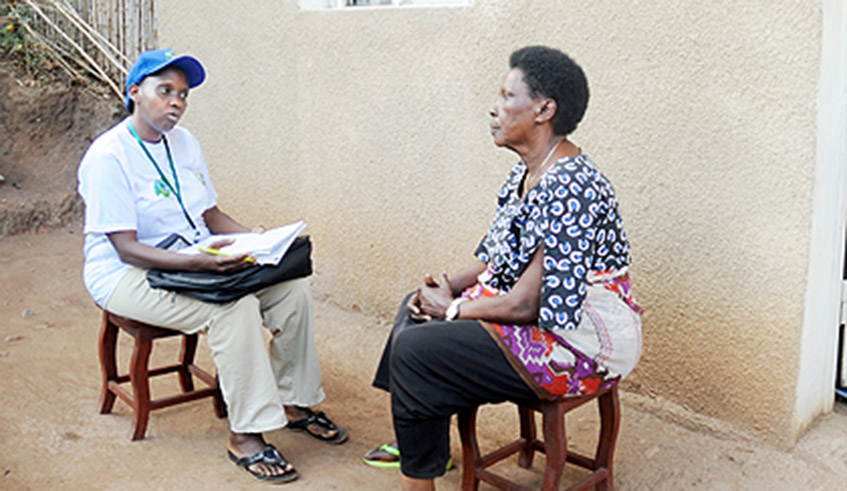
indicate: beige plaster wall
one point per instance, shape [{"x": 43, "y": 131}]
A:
[{"x": 371, "y": 125}]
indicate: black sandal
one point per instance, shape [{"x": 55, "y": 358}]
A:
[
  {"x": 320, "y": 418},
  {"x": 270, "y": 456}
]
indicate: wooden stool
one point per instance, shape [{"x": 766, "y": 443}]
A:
[
  {"x": 139, "y": 374},
  {"x": 554, "y": 444}
]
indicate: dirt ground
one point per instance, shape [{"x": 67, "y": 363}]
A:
[{"x": 52, "y": 437}]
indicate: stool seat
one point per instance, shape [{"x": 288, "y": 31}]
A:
[
  {"x": 554, "y": 445},
  {"x": 139, "y": 373}
]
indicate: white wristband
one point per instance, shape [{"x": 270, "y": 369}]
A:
[{"x": 453, "y": 309}]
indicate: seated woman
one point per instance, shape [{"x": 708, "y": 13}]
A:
[
  {"x": 145, "y": 179},
  {"x": 546, "y": 309}
]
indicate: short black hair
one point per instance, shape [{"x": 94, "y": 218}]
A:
[{"x": 550, "y": 73}]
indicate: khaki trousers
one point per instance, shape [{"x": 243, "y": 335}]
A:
[{"x": 256, "y": 380}]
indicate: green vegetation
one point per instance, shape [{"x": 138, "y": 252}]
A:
[{"x": 17, "y": 42}]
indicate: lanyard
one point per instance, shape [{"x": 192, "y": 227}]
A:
[{"x": 173, "y": 187}]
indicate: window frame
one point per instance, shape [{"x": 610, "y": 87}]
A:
[{"x": 342, "y": 4}]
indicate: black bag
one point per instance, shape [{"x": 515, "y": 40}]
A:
[{"x": 226, "y": 287}]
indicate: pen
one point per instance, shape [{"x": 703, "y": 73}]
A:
[{"x": 216, "y": 252}]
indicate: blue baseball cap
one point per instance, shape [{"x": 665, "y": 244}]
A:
[{"x": 152, "y": 61}]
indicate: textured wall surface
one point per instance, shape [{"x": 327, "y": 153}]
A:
[{"x": 372, "y": 126}]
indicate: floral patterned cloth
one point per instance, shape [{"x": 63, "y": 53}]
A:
[{"x": 573, "y": 212}]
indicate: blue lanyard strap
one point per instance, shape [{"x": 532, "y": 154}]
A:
[{"x": 173, "y": 187}]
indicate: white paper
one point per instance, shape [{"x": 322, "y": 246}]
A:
[{"x": 267, "y": 247}]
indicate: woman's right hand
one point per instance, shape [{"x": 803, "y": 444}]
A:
[
  {"x": 414, "y": 308},
  {"x": 415, "y": 303},
  {"x": 217, "y": 263},
  {"x": 431, "y": 300},
  {"x": 145, "y": 256}
]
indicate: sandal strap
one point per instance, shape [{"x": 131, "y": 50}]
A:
[
  {"x": 270, "y": 455},
  {"x": 390, "y": 449},
  {"x": 321, "y": 418}
]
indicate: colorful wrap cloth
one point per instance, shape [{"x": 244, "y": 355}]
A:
[{"x": 560, "y": 363}]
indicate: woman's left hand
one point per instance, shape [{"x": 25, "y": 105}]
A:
[{"x": 434, "y": 298}]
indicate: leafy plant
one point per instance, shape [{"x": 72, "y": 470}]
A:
[{"x": 15, "y": 39}]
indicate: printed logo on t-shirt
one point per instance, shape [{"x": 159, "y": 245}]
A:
[
  {"x": 200, "y": 178},
  {"x": 161, "y": 188}
]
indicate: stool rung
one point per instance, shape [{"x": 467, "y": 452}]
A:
[
  {"x": 152, "y": 373},
  {"x": 538, "y": 446},
  {"x": 598, "y": 476},
  {"x": 502, "y": 453},
  {"x": 121, "y": 392},
  {"x": 573, "y": 458},
  {"x": 203, "y": 375},
  {"x": 180, "y": 398},
  {"x": 495, "y": 480},
  {"x": 582, "y": 461},
  {"x": 129, "y": 398}
]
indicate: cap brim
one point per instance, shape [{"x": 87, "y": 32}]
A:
[{"x": 194, "y": 71}]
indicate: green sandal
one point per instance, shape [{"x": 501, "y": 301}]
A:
[{"x": 387, "y": 456}]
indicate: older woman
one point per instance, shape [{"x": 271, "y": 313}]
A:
[
  {"x": 145, "y": 179},
  {"x": 546, "y": 310}
]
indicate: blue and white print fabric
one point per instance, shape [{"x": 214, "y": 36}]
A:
[{"x": 573, "y": 211}]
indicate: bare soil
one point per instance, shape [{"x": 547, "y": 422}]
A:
[
  {"x": 45, "y": 128},
  {"x": 52, "y": 437}
]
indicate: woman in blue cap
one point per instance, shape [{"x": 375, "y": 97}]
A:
[{"x": 146, "y": 179}]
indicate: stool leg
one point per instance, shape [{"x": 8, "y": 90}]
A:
[
  {"x": 108, "y": 345},
  {"x": 218, "y": 400},
  {"x": 470, "y": 448},
  {"x": 527, "y": 420},
  {"x": 610, "y": 418},
  {"x": 555, "y": 445},
  {"x": 186, "y": 359},
  {"x": 140, "y": 383}
]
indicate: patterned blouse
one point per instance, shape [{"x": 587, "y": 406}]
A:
[{"x": 573, "y": 211}]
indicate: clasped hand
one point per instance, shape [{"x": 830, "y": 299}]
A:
[{"x": 431, "y": 300}]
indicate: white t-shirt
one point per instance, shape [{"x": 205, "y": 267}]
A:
[{"x": 123, "y": 191}]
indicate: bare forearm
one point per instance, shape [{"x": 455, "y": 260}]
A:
[
  {"x": 221, "y": 223},
  {"x": 145, "y": 256},
  {"x": 519, "y": 306},
  {"x": 133, "y": 252},
  {"x": 466, "y": 277},
  {"x": 502, "y": 310}
]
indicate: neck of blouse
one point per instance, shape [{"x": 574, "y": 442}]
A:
[{"x": 532, "y": 177}]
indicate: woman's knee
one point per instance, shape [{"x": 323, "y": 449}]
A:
[
  {"x": 299, "y": 286},
  {"x": 413, "y": 348},
  {"x": 402, "y": 346},
  {"x": 297, "y": 293},
  {"x": 247, "y": 303},
  {"x": 238, "y": 323}
]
